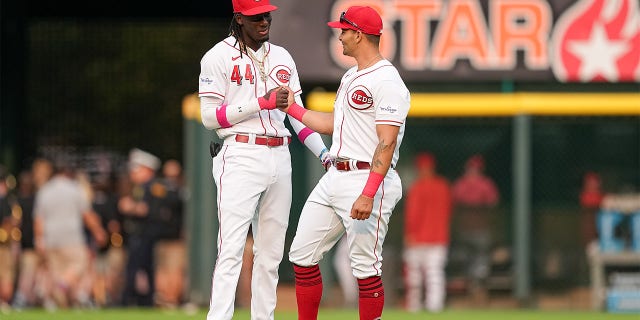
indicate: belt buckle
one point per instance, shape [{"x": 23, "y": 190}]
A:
[{"x": 342, "y": 164}]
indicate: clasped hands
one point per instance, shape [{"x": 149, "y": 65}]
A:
[{"x": 279, "y": 97}]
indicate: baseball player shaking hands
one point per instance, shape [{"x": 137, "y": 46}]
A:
[
  {"x": 360, "y": 189},
  {"x": 241, "y": 84}
]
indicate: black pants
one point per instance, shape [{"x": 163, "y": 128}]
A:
[{"x": 139, "y": 262}]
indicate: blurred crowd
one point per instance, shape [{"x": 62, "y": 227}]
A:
[
  {"x": 70, "y": 238},
  {"x": 445, "y": 219},
  {"x": 73, "y": 239}
]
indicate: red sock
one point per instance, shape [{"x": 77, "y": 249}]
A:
[
  {"x": 371, "y": 300},
  {"x": 308, "y": 291}
]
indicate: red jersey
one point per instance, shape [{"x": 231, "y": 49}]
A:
[
  {"x": 477, "y": 190},
  {"x": 428, "y": 211}
]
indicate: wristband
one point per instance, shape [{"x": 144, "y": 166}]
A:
[
  {"x": 322, "y": 153},
  {"x": 221, "y": 116},
  {"x": 267, "y": 104},
  {"x": 373, "y": 183},
  {"x": 296, "y": 111}
]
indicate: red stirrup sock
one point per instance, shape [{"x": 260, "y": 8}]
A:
[
  {"x": 308, "y": 291},
  {"x": 371, "y": 300}
]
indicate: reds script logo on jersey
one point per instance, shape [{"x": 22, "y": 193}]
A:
[
  {"x": 281, "y": 74},
  {"x": 598, "y": 40},
  {"x": 360, "y": 98}
]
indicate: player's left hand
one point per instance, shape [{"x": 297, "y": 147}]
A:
[{"x": 361, "y": 209}]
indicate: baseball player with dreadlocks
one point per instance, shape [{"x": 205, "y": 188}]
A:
[{"x": 241, "y": 84}]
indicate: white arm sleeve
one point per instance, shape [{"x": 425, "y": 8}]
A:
[{"x": 215, "y": 115}]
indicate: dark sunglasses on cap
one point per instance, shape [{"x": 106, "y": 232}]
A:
[{"x": 343, "y": 19}]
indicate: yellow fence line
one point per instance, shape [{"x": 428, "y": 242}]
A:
[{"x": 506, "y": 104}]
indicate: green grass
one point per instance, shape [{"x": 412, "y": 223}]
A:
[{"x": 329, "y": 314}]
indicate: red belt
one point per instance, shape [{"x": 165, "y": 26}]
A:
[
  {"x": 265, "y": 141},
  {"x": 348, "y": 165}
]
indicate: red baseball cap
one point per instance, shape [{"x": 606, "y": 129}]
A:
[
  {"x": 252, "y": 7},
  {"x": 365, "y": 19}
]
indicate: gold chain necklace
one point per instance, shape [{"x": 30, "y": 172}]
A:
[{"x": 259, "y": 63}]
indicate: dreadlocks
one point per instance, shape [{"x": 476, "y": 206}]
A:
[{"x": 236, "y": 32}]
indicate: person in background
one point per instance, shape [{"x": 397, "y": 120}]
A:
[
  {"x": 61, "y": 212},
  {"x": 28, "y": 262},
  {"x": 42, "y": 170},
  {"x": 110, "y": 259},
  {"x": 87, "y": 281},
  {"x": 141, "y": 209},
  {"x": 342, "y": 266},
  {"x": 8, "y": 243},
  {"x": 475, "y": 195},
  {"x": 170, "y": 249},
  {"x": 426, "y": 237},
  {"x": 30, "y": 291},
  {"x": 591, "y": 196}
]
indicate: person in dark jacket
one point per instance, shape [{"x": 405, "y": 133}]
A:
[{"x": 141, "y": 209}]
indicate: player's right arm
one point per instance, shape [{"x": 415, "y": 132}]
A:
[{"x": 320, "y": 122}]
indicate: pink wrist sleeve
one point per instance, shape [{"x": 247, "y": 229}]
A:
[
  {"x": 296, "y": 111},
  {"x": 373, "y": 183},
  {"x": 267, "y": 104},
  {"x": 221, "y": 116}
]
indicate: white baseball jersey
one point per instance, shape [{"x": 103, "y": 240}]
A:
[
  {"x": 236, "y": 80},
  {"x": 375, "y": 95}
]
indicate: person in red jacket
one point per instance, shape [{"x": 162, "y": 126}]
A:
[
  {"x": 475, "y": 197},
  {"x": 426, "y": 237},
  {"x": 591, "y": 197}
]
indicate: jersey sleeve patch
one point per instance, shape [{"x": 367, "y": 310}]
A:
[{"x": 388, "y": 110}]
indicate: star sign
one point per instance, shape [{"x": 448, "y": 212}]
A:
[{"x": 598, "y": 55}]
